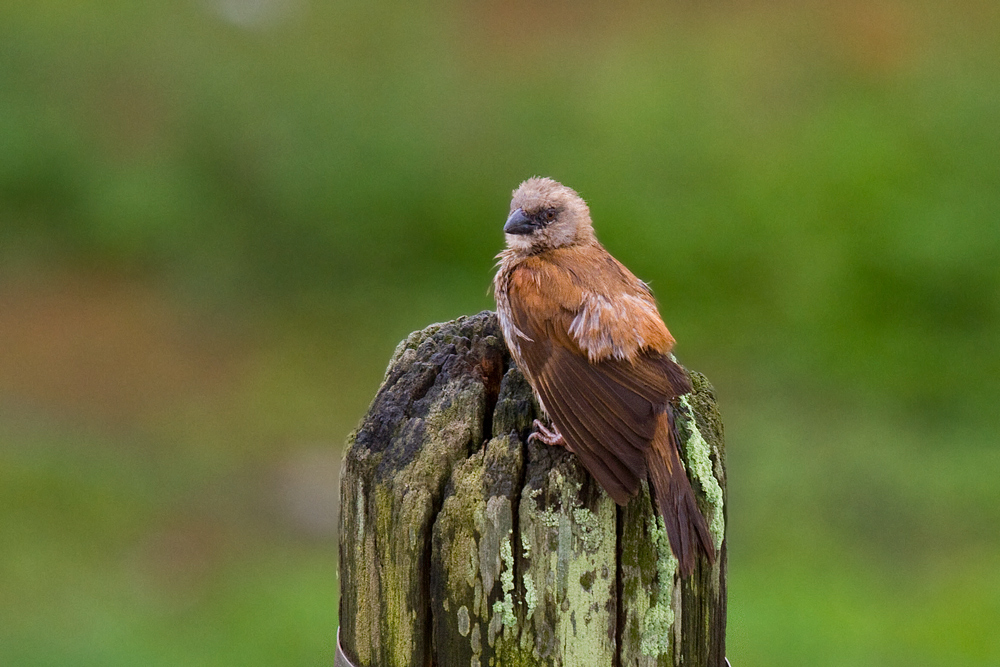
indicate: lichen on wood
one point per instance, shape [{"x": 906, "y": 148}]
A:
[
  {"x": 426, "y": 418},
  {"x": 569, "y": 531},
  {"x": 461, "y": 544}
]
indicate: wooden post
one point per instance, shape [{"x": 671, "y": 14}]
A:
[{"x": 462, "y": 545}]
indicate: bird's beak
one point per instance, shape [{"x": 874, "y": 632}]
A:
[{"x": 518, "y": 223}]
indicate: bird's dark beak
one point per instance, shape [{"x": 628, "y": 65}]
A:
[{"x": 518, "y": 223}]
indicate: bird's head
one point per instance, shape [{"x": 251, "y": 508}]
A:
[{"x": 544, "y": 215}]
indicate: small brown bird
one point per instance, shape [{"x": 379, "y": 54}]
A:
[{"x": 587, "y": 335}]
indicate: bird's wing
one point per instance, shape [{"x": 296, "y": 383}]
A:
[{"x": 602, "y": 371}]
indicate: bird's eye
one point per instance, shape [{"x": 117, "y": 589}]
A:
[{"x": 549, "y": 215}]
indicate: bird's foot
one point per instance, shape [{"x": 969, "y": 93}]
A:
[{"x": 550, "y": 437}]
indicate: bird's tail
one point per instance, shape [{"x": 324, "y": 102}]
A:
[{"x": 686, "y": 527}]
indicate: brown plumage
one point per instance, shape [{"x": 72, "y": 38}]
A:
[{"x": 587, "y": 335}]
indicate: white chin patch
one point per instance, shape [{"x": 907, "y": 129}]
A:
[{"x": 521, "y": 241}]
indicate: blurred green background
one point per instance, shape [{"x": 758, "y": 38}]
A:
[{"x": 217, "y": 218}]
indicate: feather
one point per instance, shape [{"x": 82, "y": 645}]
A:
[{"x": 606, "y": 410}]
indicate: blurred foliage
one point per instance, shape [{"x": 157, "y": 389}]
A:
[{"x": 258, "y": 198}]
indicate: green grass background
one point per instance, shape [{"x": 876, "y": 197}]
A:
[{"x": 217, "y": 218}]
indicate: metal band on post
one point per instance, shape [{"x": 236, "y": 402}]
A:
[{"x": 341, "y": 659}]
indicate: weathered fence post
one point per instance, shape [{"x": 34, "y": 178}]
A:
[{"x": 462, "y": 545}]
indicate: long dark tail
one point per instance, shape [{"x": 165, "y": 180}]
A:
[{"x": 686, "y": 527}]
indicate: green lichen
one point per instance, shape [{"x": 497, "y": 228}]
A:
[
  {"x": 460, "y": 552},
  {"x": 495, "y": 530},
  {"x": 590, "y": 528},
  {"x": 699, "y": 463},
  {"x": 530, "y": 599},
  {"x": 546, "y": 517},
  {"x": 659, "y": 618},
  {"x": 569, "y": 545},
  {"x": 587, "y": 556},
  {"x": 505, "y": 607}
]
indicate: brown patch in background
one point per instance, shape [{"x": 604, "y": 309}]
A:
[
  {"x": 92, "y": 347},
  {"x": 875, "y": 37}
]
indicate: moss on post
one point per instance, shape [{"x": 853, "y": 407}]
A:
[
  {"x": 427, "y": 418},
  {"x": 462, "y": 545}
]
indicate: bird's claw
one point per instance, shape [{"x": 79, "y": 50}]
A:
[{"x": 550, "y": 437}]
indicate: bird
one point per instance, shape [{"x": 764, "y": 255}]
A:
[{"x": 588, "y": 337}]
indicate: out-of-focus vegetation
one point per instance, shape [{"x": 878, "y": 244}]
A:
[{"x": 217, "y": 218}]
